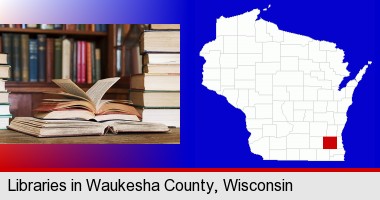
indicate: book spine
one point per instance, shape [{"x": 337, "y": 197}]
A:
[
  {"x": 93, "y": 67},
  {"x": 88, "y": 62},
  {"x": 79, "y": 62},
  {"x": 1, "y": 44},
  {"x": 7, "y": 46},
  {"x": 49, "y": 59},
  {"x": 16, "y": 57},
  {"x": 74, "y": 61},
  {"x": 58, "y": 58},
  {"x": 98, "y": 27},
  {"x": 83, "y": 62},
  {"x": 66, "y": 60},
  {"x": 33, "y": 60},
  {"x": 58, "y": 26},
  {"x": 41, "y": 57},
  {"x": 98, "y": 64},
  {"x": 25, "y": 57}
]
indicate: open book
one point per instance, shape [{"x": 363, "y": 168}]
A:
[
  {"x": 89, "y": 105},
  {"x": 59, "y": 128}
]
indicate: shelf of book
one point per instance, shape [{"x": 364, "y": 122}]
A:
[{"x": 53, "y": 32}]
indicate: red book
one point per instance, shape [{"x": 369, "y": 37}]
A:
[
  {"x": 49, "y": 59},
  {"x": 89, "y": 62}
]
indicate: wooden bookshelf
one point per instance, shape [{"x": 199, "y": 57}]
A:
[{"x": 25, "y": 96}]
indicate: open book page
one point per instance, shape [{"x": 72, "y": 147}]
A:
[
  {"x": 97, "y": 91},
  {"x": 70, "y": 87}
]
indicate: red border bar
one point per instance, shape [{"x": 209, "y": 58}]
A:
[{"x": 189, "y": 169}]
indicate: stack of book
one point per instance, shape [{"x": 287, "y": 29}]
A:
[
  {"x": 42, "y": 59},
  {"x": 156, "y": 92},
  {"x": 4, "y": 102}
]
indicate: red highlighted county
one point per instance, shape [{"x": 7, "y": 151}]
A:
[{"x": 330, "y": 142}]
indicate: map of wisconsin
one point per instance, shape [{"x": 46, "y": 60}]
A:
[{"x": 286, "y": 84}]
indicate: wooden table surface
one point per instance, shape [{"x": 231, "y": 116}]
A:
[{"x": 172, "y": 137}]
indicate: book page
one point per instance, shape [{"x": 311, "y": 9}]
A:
[
  {"x": 97, "y": 91},
  {"x": 70, "y": 87}
]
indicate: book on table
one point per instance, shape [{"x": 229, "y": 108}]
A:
[
  {"x": 89, "y": 105},
  {"x": 82, "y": 113},
  {"x": 58, "y": 128}
]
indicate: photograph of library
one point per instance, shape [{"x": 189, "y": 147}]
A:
[{"x": 90, "y": 83}]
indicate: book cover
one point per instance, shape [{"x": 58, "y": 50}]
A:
[
  {"x": 83, "y": 66},
  {"x": 25, "y": 57},
  {"x": 16, "y": 57},
  {"x": 49, "y": 59},
  {"x": 74, "y": 61},
  {"x": 58, "y": 58},
  {"x": 7, "y": 46},
  {"x": 79, "y": 62},
  {"x": 33, "y": 60},
  {"x": 93, "y": 64},
  {"x": 98, "y": 63},
  {"x": 88, "y": 62},
  {"x": 41, "y": 57},
  {"x": 66, "y": 58}
]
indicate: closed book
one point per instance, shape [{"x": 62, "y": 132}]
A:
[
  {"x": 41, "y": 57},
  {"x": 58, "y": 26},
  {"x": 16, "y": 57},
  {"x": 7, "y": 46},
  {"x": 5, "y": 71},
  {"x": 161, "y": 58},
  {"x": 58, "y": 58},
  {"x": 25, "y": 57},
  {"x": 79, "y": 62},
  {"x": 88, "y": 62},
  {"x": 4, "y": 121},
  {"x": 98, "y": 64},
  {"x": 4, "y": 109},
  {"x": 83, "y": 66},
  {"x": 4, "y": 97},
  {"x": 1, "y": 44},
  {"x": 33, "y": 60},
  {"x": 46, "y": 26},
  {"x": 49, "y": 59},
  {"x": 3, "y": 59},
  {"x": 104, "y": 28},
  {"x": 155, "y": 99},
  {"x": 165, "y": 26},
  {"x": 169, "y": 82},
  {"x": 70, "y": 27},
  {"x": 2, "y": 84},
  {"x": 169, "y": 117},
  {"x": 66, "y": 58},
  {"x": 31, "y": 25},
  {"x": 152, "y": 68},
  {"x": 93, "y": 64},
  {"x": 160, "y": 41},
  {"x": 98, "y": 27},
  {"x": 74, "y": 61}
]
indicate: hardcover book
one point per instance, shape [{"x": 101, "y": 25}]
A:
[
  {"x": 160, "y": 41},
  {"x": 41, "y": 57}
]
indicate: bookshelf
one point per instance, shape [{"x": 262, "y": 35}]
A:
[{"x": 25, "y": 96}]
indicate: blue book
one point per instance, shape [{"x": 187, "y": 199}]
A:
[
  {"x": 41, "y": 57},
  {"x": 98, "y": 27},
  {"x": 33, "y": 60}
]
